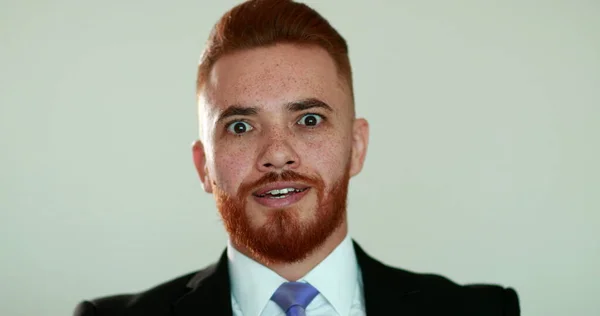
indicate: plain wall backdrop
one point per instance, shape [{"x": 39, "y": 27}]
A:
[{"x": 483, "y": 163}]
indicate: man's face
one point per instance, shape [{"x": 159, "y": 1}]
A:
[{"x": 279, "y": 144}]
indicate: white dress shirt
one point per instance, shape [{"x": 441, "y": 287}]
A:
[{"x": 337, "y": 278}]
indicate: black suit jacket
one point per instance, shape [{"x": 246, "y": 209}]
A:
[{"x": 388, "y": 291}]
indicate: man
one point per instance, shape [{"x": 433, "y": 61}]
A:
[{"x": 278, "y": 144}]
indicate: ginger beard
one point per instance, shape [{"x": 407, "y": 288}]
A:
[{"x": 284, "y": 237}]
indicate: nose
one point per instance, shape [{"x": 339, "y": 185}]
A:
[{"x": 278, "y": 155}]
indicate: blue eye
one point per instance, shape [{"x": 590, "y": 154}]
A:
[
  {"x": 310, "y": 120},
  {"x": 239, "y": 127}
]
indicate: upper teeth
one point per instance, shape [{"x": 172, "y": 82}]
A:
[{"x": 282, "y": 191}]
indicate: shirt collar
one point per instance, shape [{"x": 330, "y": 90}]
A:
[
  {"x": 253, "y": 284},
  {"x": 336, "y": 277}
]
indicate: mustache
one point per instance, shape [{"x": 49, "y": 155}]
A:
[{"x": 286, "y": 175}]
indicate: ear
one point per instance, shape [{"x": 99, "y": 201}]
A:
[
  {"x": 360, "y": 141},
  {"x": 200, "y": 163}
]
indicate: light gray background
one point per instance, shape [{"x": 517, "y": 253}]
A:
[{"x": 482, "y": 166}]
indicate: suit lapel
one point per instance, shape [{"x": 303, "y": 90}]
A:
[
  {"x": 209, "y": 292},
  {"x": 387, "y": 291}
]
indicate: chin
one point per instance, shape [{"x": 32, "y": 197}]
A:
[
  {"x": 297, "y": 213},
  {"x": 285, "y": 231}
]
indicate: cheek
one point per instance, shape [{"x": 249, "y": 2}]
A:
[
  {"x": 327, "y": 156},
  {"x": 232, "y": 165}
]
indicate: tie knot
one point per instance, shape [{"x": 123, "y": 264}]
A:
[{"x": 292, "y": 294}]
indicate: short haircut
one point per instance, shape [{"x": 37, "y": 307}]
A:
[{"x": 263, "y": 23}]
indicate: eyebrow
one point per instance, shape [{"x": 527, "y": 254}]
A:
[
  {"x": 237, "y": 110},
  {"x": 295, "y": 106},
  {"x": 306, "y": 104}
]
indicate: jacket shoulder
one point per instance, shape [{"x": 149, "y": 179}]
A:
[
  {"x": 439, "y": 292},
  {"x": 154, "y": 301},
  {"x": 494, "y": 298}
]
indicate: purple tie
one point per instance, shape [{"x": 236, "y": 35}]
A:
[{"x": 293, "y": 297}]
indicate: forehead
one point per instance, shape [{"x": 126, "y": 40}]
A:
[{"x": 274, "y": 75}]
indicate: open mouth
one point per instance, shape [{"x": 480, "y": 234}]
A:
[{"x": 281, "y": 193}]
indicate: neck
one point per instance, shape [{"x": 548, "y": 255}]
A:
[{"x": 296, "y": 270}]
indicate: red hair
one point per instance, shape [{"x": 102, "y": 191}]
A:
[{"x": 259, "y": 23}]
